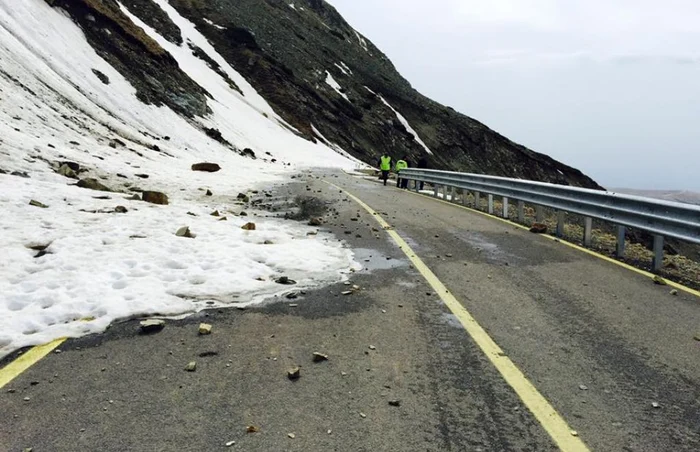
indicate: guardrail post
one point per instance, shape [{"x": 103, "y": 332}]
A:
[
  {"x": 620, "y": 249},
  {"x": 561, "y": 219},
  {"x": 505, "y": 207},
  {"x": 658, "y": 260},
  {"x": 521, "y": 211},
  {"x": 539, "y": 214},
  {"x": 477, "y": 200},
  {"x": 452, "y": 194},
  {"x": 465, "y": 193},
  {"x": 436, "y": 187},
  {"x": 490, "y": 203},
  {"x": 587, "y": 231}
]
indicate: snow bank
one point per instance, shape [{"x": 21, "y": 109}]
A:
[
  {"x": 330, "y": 81},
  {"x": 106, "y": 266}
]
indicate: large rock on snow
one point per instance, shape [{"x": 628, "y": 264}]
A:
[
  {"x": 67, "y": 171},
  {"x": 155, "y": 197},
  {"x": 207, "y": 167},
  {"x": 93, "y": 184}
]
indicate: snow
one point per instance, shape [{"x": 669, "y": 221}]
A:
[
  {"x": 291, "y": 5},
  {"x": 330, "y": 81},
  {"x": 403, "y": 121},
  {"x": 213, "y": 24},
  {"x": 362, "y": 41},
  {"x": 343, "y": 68},
  {"x": 99, "y": 267}
]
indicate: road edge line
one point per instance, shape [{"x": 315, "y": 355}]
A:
[
  {"x": 553, "y": 423},
  {"x": 27, "y": 360}
]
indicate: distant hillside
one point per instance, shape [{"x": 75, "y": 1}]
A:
[{"x": 688, "y": 197}]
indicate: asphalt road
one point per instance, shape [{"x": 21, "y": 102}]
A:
[{"x": 612, "y": 352}]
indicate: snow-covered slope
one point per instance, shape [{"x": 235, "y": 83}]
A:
[{"x": 103, "y": 266}]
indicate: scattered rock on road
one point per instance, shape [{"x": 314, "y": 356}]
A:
[
  {"x": 252, "y": 429},
  {"x": 538, "y": 228},
  {"x": 674, "y": 292},
  {"x": 294, "y": 373},
  {"x": 150, "y": 326},
  {"x": 291, "y": 435},
  {"x": 319, "y": 357},
  {"x": 659, "y": 281},
  {"x": 395, "y": 402},
  {"x": 204, "y": 329},
  {"x": 206, "y": 167},
  {"x": 191, "y": 366},
  {"x": 66, "y": 171}
]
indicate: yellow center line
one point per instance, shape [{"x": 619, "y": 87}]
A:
[
  {"x": 26, "y": 360},
  {"x": 639, "y": 271},
  {"x": 553, "y": 423}
]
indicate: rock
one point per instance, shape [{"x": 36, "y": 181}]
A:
[
  {"x": 230, "y": 443},
  {"x": 155, "y": 197},
  {"x": 215, "y": 213},
  {"x": 363, "y": 415},
  {"x": 697, "y": 337},
  {"x": 206, "y": 167},
  {"x": 252, "y": 429},
  {"x": 38, "y": 204},
  {"x": 142, "y": 176},
  {"x": 285, "y": 281},
  {"x": 209, "y": 193},
  {"x": 93, "y": 184},
  {"x": 583, "y": 387},
  {"x": 268, "y": 242},
  {"x": 248, "y": 227},
  {"x": 72, "y": 165},
  {"x": 247, "y": 152},
  {"x": 655, "y": 405},
  {"x": 538, "y": 228},
  {"x": 134, "y": 197},
  {"x": 66, "y": 171},
  {"x": 204, "y": 329},
  {"x": 319, "y": 357},
  {"x": 395, "y": 402},
  {"x": 291, "y": 296},
  {"x": 659, "y": 281},
  {"x": 372, "y": 347},
  {"x": 120, "y": 209},
  {"x": 150, "y": 326},
  {"x": 185, "y": 232},
  {"x": 347, "y": 292},
  {"x": 243, "y": 197},
  {"x": 191, "y": 366},
  {"x": 291, "y": 435},
  {"x": 243, "y": 214},
  {"x": 316, "y": 221},
  {"x": 674, "y": 292},
  {"x": 294, "y": 373}
]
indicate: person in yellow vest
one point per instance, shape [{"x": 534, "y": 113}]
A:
[
  {"x": 385, "y": 166},
  {"x": 400, "y": 165}
]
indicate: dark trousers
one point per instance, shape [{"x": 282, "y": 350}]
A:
[{"x": 385, "y": 176}]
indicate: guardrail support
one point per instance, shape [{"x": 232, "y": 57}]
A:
[
  {"x": 436, "y": 187},
  {"x": 477, "y": 200},
  {"x": 539, "y": 214},
  {"x": 587, "y": 232},
  {"x": 620, "y": 249},
  {"x": 505, "y": 207},
  {"x": 658, "y": 261},
  {"x": 452, "y": 195},
  {"x": 490, "y": 204},
  {"x": 521, "y": 211},
  {"x": 465, "y": 194},
  {"x": 561, "y": 219}
]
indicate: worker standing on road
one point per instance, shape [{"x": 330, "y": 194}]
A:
[
  {"x": 400, "y": 165},
  {"x": 385, "y": 166}
]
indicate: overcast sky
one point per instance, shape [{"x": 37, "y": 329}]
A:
[{"x": 611, "y": 87}]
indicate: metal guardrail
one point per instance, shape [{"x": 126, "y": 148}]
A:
[{"x": 661, "y": 218}]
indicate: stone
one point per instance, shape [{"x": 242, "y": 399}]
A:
[
  {"x": 134, "y": 197},
  {"x": 66, "y": 171},
  {"x": 72, "y": 165},
  {"x": 223, "y": 219},
  {"x": 209, "y": 193},
  {"x": 284, "y": 280},
  {"x": 658, "y": 280},
  {"x": 363, "y": 415},
  {"x": 248, "y": 227},
  {"x": 215, "y": 213},
  {"x": 142, "y": 176},
  {"x": 294, "y": 373},
  {"x": 191, "y": 366},
  {"x": 150, "y": 326},
  {"x": 317, "y": 221},
  {"x": 395, "y": 402},
  {"x": 372, "y": 347},
  {"x": 697, "y": 337},
  {"x": 243, "y": 197},
  {"x": 319, "y": 357},
  {"x": 204, "y": 329},
  {"x": 583, "y": 387},
  {"x": 538, "y": 228},
  {"x": 37, "y": 204},
  {"x": 206, "y": 167},
  {"x": 93, "y": 184},
  {"x": 291, "y": 435},
  {"x": 247, "y": 152},
  {"x": 655, "y": 405},
  {"x": 243, "y": 213},
  {"x": 184, "y": 232},
  {"x": 155, "y": 197},
  {"x": 674, "y": 292},
  {"x": 230, "y": 443},
  {"x": 252, "y": 429},
  {"x": 347, "y": 292},
  {"x": 120, "y": 209}
]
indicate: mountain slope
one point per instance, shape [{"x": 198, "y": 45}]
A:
[{"x": 321, "y": 76}]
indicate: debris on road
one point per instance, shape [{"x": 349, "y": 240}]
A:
[
  {"x": 191, "y": 366},
  {"x": 363, "y": 415},
  {"x": 347, "y": 292},
  {"x": 655, "y": 405},
  {"x": 319, "y": 357},
  {"x": 674, "y": 292},
  {"x": 294, "y": 373},
  {"x": 230, "y": 443},
  {"x": 151, "y": 326},
  {"x": 659, "y": 281},
  {"x": 252, "y": 429},
  {"x": 291, "y": 435},
  {"x": 372, "y": 347},
  {"x": 574, "y": 433},
  {"x": 538, "y": 228},
  {"x": 204, "y": 329},
  {"x": 395, "y": 402}
]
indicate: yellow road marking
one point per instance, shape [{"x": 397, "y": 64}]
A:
[
  {"x": 555, "y": 425},
  {"x": 26, "y": 360},
  {"x": 564, "y": 242}
]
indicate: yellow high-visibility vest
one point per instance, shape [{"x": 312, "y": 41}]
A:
[
  {"x": 385, "y": 163},
  {"x": 401, "y": 164}
]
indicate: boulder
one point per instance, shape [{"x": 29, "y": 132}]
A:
[
  {"x": 120, "y": 209},
  {"x": 538, "y": 228},
  {"x": 151, "y": 326},
  {"x": 206, "y": 167},
  {"x": 248, "y": 227},
  {"x": 66, "y": 171},
  {"x": 185, "y": 232},
  {"x": 209, "y": 193},
  {"x": 93, "y": 184},
  {"x": 155, "y": 197},
  {"x": 204, "y": 329},
  {"x": 243, "y": 197},
  {"x": 317, "y": 221},
  {"x": 247, "y": 152},
  {"x": 72, "y": 165}
]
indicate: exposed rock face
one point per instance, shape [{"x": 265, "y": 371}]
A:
[{"x": 288, "y": 55}]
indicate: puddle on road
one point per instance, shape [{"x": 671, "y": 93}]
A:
[
  {"x": 376, "y": 260},
  {"x": 489, "y": 250}
]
